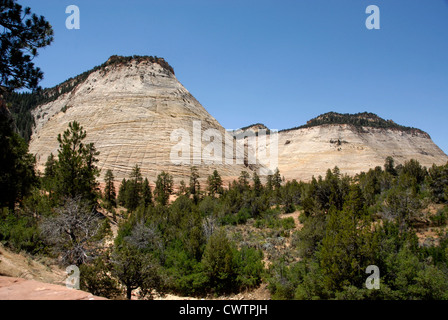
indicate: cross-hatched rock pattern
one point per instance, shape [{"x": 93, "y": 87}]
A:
[
  {"x": 130, "y": 111},
  {"x": 307, "y": 152}
]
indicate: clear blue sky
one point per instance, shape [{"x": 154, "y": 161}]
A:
[{"x": 280, "y": 62}]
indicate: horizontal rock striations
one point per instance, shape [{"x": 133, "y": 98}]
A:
[
  {"x": 136, "y": 111},
  {"x": 130, "y": 110},
  {"x": 354, "y": 143}
]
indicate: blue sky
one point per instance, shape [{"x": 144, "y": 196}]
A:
[{"x": 280, "y": 62}]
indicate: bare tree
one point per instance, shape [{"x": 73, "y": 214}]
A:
[
  {"x": 73, "y": 232},
  {"x": 209, "y": 226},
  {"x": 147, "y": 238},
  {"x": 403, "y": 206}
]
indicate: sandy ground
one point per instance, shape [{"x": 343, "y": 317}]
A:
[
  {"x": 261, "y": 293},
  {"x": 29, "y": 268}
]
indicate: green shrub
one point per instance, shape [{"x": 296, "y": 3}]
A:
[
  {"x": 97, "y": 280},
  {"x": 440, "y": 218},
  {"x": 219, "y": 263},
  {"x": 272, "y": 221},
  {"x": 21, "y": 233},
  {"x": 240, "y": 217},
  {"x": 250, "y": 267},
  {"x": 288, "y": 223}
]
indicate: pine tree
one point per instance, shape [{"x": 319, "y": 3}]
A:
[
  {"x": 214, "y": 184},
  {"x": 276, "y": 179},
  {"x": 135, "y": 269},
  {"x": 164, "y": 188},
  {"x": 243, "y": 181},
  {"x": 183, "y": 190},
  {"x": 348, "y": 246},
  {"x": 389, "y": 166},
  {"x": 146, "y": 198},
  {"x": 50, "y": 167},
  {"x": 22, "y": 34},
  {"x": 258, "y": 187},
  {"x": 269, "y": 183},
  {"x": 49, "y": 178},
  {"x": 17, "y": 173},
  {"x": 438, "y": 182},
  {"x": 109, "y": 190},
  {"x": 134, "y": 189},
  {"x": 122, "y": 192},
  {"x": 195, "y": 187},
  {"x": 76, "y": 171}
]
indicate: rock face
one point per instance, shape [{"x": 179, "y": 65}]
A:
[
  {"x": 135, "y": 111},
  {"x": 310, "y": 150},
  {"x": 130, "y": 111},
  {"x": 21, "y": 289}
]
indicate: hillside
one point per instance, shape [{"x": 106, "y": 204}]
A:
[{"x": 353, "y": 142}]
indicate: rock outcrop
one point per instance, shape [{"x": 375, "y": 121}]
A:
[
  {"x": 354, "y": 143},
  {"x": 130, "y": 110},
  {"x": 135, "y": 111},
  {"x": 310, "y": 151},
  {"x": 22, "y": 289}
]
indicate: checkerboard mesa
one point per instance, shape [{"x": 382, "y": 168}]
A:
[{"x": 129, "y": 107}]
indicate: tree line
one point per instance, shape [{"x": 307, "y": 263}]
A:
[{"x": 358, "y": 120}]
